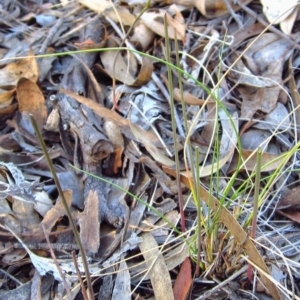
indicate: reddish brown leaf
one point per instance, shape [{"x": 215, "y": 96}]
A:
[
  {"x": 89, "y": 223},
  {"x": 183, "y": 281},
  {"x": 31, "y": 100},
  {"x": 290, "y": 200},
  {"x": 291, "y": 214}
]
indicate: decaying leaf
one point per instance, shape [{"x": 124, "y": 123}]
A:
[
  {"x": 6, "y": 97},
  {"x": 279, "y": 11},
  {"x": 89, "y": 223},
  {"x": 24, "y": 68},
  {"x": 270, "y": 162},
  {"x": 154, "y": 19},
  {"x": 114, "y": 134},
  {"x": 31, "y": 101},
  {"x": 291, "y": 200},
  {"x": 213, "y": 9},
  {"x": 183, "y": 281},
  {"x": 117, "y": 13},
  {"x": 159, "y": 275},
  {"x": 156, "y": 153},
  {"x": 122, "y": 285},
  {"x": 121, "y": 67}
]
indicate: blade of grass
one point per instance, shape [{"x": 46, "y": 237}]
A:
[
  {"x": 236, "y": 230},
  {"x": 170, "y": 81},
  {"x": 255, "y": 206}
]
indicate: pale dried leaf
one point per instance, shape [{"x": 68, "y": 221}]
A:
[
  {"x": 142, "y": 35},
  {"x": 229, "y": 139},
  {"x": 43, "y": 202},
  {"x": 121, "y": 68},
  {"x": 278, "y": 119},
  {"x": 287, "y": 25},
  {"x": 26, "y": 67},
  {"x": 122, "y": 285},
  {"x": 156, "y": 153},
  {"x": 56, "y": 212},
  {"x": 154, "y": 19},
  {"x": 159, "y": 274},
  {"x": 108, "y": 114},
  {"x": 6, "y": 97},
  {"x": 277, "y": 11},
  {"x": 115, "y": 12},
  {"x": 89, "y": 223},
  {"x": 253, "y": 139},
  {"x": 216, "y": 8},
  {"x": 31, "y": 101},
  {"x": 270, "y": 162}
]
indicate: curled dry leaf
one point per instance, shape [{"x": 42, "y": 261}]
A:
[
  {"x": 116, "y": 12},
  {"x": 281, "y": 11},
  {"x": 154, "y": 19},
  {"x": 287, "y": 25},
  {"x": 270, "y": 162},
  {"x": 290, "y": 200},
  {"x": 26, "y": 67},
  {"x": 89, "y": 223},
  {"x": 31, "y": 101},
  {"x": 6, "y": 97},
  {"x": 142, "y": 35},
  {"x": 188, "y": 98},
  {"x": 216, "y": 8},
  {"x": 156, "y": 153},
  {"x": 119, "y": 67},
  {"x": 115, "y": 136}
]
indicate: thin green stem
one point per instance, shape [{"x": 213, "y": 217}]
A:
[
  {"x": 174, "y": 128},
  {"x": 255, "y": 206},
  {"x": 199, "y": 215}
]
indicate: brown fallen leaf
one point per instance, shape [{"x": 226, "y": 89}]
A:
[
  {"x": 55, "y": 213},
  {"x": 291, "y": 200},
  {"x": 216, "y": 8},
  {"x": 89, "y": 223},
  {"x": 109, "y": 9},
  {"x": 31, "y": 101},
  {"x": 6, "y": 97},
  {"x": 124, "y": 68},
  {"x": 26, "y": 67},
  {"x": 270, "y": 162},
  {"x": 183, "y": 281},
  {"x": 291, "y": 214},
  {"x": 115, "y": 136},
  {"x": 154, "y": 19}
]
